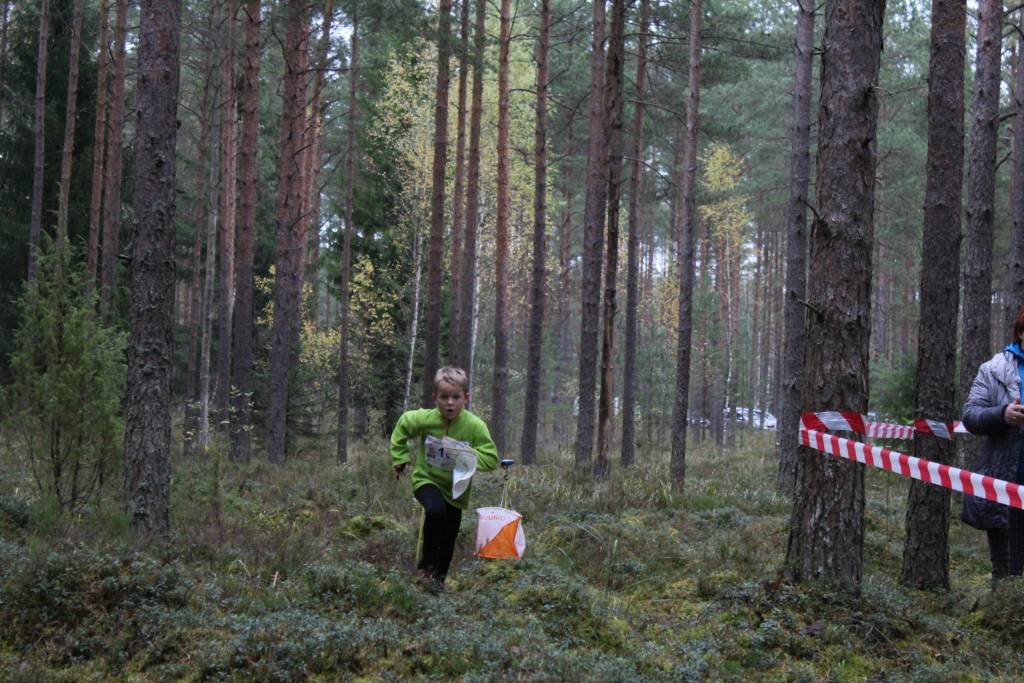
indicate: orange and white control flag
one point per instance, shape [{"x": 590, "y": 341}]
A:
[{"x": 499, "y": 534}]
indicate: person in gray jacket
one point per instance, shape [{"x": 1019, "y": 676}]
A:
[{"x": 994, "y": 410}]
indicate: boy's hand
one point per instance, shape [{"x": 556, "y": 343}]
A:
[{"x": 400, "y": 470}]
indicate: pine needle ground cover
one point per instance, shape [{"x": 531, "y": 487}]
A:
[{"x": 303, "y": 572}]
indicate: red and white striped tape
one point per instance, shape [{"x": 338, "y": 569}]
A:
[
  {"x": 970, "y": 483},
  {"x": 849, "y": 421}
]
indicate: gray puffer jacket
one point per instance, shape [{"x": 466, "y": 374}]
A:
[{"x": 996, "y": 386}]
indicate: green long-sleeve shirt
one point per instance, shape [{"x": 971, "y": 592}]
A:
[{"x": 416, "y": 425}]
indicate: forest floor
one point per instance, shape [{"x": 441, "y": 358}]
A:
[{"x": 303, "y": 572}]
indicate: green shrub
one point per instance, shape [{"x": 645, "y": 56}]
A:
[{"x": 69, "y": 371}]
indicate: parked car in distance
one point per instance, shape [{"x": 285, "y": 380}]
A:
[{"x": 743, "y": 415}]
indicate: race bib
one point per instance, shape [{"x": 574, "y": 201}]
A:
[{"x": 452, "y": 456}]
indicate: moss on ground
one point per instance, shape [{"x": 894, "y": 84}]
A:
[{"x": 303, "y": 572}]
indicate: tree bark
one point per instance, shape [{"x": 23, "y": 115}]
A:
[
  {"x": 39, "y": 135},
  {"x": 463, "y": 355},
  {"x": 147, "y": 476},
  {"x": 686, "y": 223},
  {"x": 1014, "y": 295},
  {"x": 459, "y": 191},
  {"x": 228, "y": 170},
  {"x": 826, "y": 538},
  {"x": 4, "y": 23},
  {"x": 291, "y": 243},
  {"x": 499, "y": 386},
  {"x": 593, "y": 242},
  {"x": 535, "y": 343},
  {"x": 346, "y": 249},
  {"x": 796, "y": 252},
  {"x": 248, "y": 171},
  {"x": 70, "y": 108},
  {"x": 201, "y": 218},
  {"x": 977, "y": 271},
  {"x": 926, "y": 549},
  {"x": 314, "y": 131},
  {"x": 613, "y": 88},
  {"x": 113, "y": 167},
  {"x": 211, "y": 214},
  {"x": 99, "y": 145},
  {"x": 432, "y": 333}
]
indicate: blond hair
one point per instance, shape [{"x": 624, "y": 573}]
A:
[{"x": 452, "y": 375}]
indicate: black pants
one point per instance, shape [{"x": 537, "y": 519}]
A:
[
  {"x": 1006, "y": 546},
  {"x": 440, "y": 528}
]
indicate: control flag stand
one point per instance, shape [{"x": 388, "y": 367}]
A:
[{"x": 499, "y": 530}]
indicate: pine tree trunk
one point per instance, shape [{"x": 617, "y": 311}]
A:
[
  {"x": 228, "y": 171},
  {"x": 459, "y": 191},
  {"x": 796, "y": 253},
  {"x": 248, "y": 171},
  {"x": 686, "y": 223},
  {"x": 463, "y": 353},
  {"x": 1014, "y": 294},
  {"x": 432, "y": 333},
  {"x": 4, "y": 23},
  {"x": 199, "y": 223},
  {"x": 535, "y": 343},
  {"x": 147, "y": 474},
  {"x": 593, "y": 242},
  {"x": 70, "y": 108},
  {"x": 613, "y": 88},
  {"x": 39, "y": 135},
  {"x": 113, "y": 167},
  {"x": 766, "y": 349},
  {"x": 499, "y": 385},
  {"x": 755, "y": 321},
  {"x": 314, "y": 131},
  {"x": 99, "y": 145},
  {"x": 826, "y": 540},
  {"x": 628, "y": 453},
  {"x": 563, "y": 316},
  {"x": 209, "y": 281},
  {"x": 926, "y": 549},
  {"x": 977, "y": 272},
  {"x": 291, "y": 242},
  {"x": 346, "y": 250}
]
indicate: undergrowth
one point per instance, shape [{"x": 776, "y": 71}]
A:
[{"x": 303, "y": 572}]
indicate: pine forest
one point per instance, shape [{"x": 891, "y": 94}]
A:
[{"x": 717, "y": 305}]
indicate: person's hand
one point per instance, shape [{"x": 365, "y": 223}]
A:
[
  {"x": 1014, "y": 414},
  {"x": 400, "y": 470}
]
